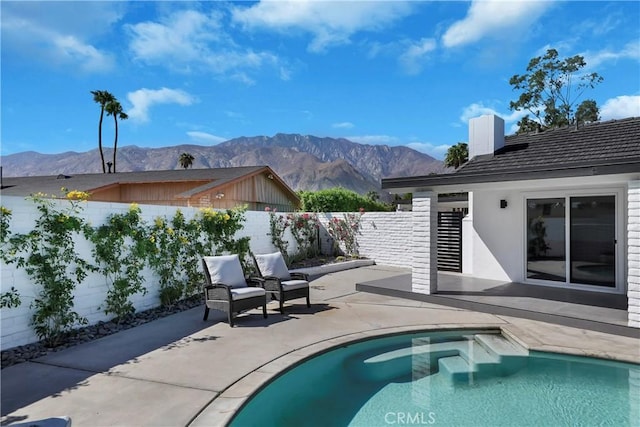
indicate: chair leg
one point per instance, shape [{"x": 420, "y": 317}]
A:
[
  {"x": 230, "y": 317},
  {"x": 308, "y": 302},
  {"x": 206, "y": 313},
  {"x": 281, "y": 305},
  {"x": 264, "y": 311}
]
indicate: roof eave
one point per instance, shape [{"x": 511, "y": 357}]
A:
[{"x": 408, "y": 184}]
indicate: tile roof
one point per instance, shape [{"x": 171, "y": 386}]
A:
[
  {"x": 210, "y": 178},
  {"x": 593, "y": 149}
]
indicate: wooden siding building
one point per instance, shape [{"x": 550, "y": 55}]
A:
[{"x": 222, "y": 188}]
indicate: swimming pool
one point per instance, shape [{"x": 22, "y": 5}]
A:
[{"x": 457, "y": 378}]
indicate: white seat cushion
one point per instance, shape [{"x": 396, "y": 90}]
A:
[
  {"x": 226, "y": 269},
  {"x": 294, "y": 284},
  {"x": 246, "y": 292},
  {"x": 273, "y": 265}
]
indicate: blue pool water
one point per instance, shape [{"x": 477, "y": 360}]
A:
[{"x": 451, "y": 378}]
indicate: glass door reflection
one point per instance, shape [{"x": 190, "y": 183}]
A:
[
  {"x": 546, "y": 253},
  {"x": 592, "y": 250}
]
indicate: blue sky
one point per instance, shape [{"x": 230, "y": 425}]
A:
[{"x": 396, "y": 73}]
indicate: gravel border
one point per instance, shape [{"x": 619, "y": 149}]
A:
[{"x": 101, "y": 329}]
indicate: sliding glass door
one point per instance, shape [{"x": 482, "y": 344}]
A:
[
  {"x": 593, "y": 237},
  {"x": 572, "y": 240},
  {"x": 546, "y": 246}
]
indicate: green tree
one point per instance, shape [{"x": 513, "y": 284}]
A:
[
  {"x": 103, "y": 98},
  {"x": 550, "y": 89},
  {"x": 113, "y": 108},
  {"x": 457, "y": 155},
  {"x": 186, "y": 160},
  {"x": 587, "y": 112}
]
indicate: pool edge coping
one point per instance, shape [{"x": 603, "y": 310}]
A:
[{"x": 222, "y": 409}]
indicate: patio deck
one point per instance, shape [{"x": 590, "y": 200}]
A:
[
  {"x": 595, "y": 311},
  {"x": 183, "y": 371}
]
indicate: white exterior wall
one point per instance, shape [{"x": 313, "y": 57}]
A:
[
  {"x": 383, "y": 238},
  {"x": 493, "y": 237},
  {"x": 424, "y": 269},
  {"x": 633, "y": 252}
]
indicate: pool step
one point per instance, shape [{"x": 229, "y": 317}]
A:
[{"x": 465, "y": 360}]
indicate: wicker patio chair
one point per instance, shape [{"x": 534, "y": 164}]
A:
[
  {"x": 226, "y": 288},
  {"x": 282, "y": 284}
]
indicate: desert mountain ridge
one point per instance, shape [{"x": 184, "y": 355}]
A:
[{"x": 305, "y": 162}]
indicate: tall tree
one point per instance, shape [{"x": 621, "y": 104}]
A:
[
  {"x": 186, "y": 160},
  {"x": 113, "y": 108},
  {"x": 550, "y": 89},
  {"x": 101, "y": 97},
  {"x": 457, "y": 155}
]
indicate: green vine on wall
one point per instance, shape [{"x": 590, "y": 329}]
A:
[
  {"x": 174, "y": 256},
  {"x": 47, "y": 253},
  {"x": 277, "y": 226},
  {"x": 304, "y": 228},
  {"x": 219, "y": 229},
  {"x": 120, "y": 248},
  {"x": 345, "y": 230},
  {"x": 10, "y": 298}
]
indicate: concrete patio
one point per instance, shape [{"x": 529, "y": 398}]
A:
[{"x": 181, "y": 371}]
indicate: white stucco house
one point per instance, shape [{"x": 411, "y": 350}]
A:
[{"x": 557, "y": 208}]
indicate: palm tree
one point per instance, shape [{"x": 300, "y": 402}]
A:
[
  {"x": 113, "y": 108},
  {"x": 101, "y": 97},
  {"x": 186, "y": 160},
  {"x": 457, "y": 155}
]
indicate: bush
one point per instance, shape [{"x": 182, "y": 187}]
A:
[{"x": 338, "y": 200}]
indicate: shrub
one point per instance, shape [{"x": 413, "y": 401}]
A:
[{"x": 338, "y": 200}]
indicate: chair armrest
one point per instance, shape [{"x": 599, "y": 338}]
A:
[
  {"x": 217, "y": 291},
  {"x": 256, "y": 282},
  {"x": 272, "y": 283},
  {"x": 300, "y": 276}
]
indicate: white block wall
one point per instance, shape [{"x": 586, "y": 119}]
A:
[
  {"x": 633, "y": 251},
  {"x": 383, "y": 238},
  {"x": 424, "y": 268}
]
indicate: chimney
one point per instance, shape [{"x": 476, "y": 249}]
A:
[{"x": 486, "y": 135}]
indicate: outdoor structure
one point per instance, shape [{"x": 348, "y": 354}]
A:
[
  {"x": 558, "y": 208},
  {"x": 222, "y": 188}
]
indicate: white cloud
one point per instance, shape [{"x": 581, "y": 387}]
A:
[
  {"x": 330, "y": 23},
  {"x": 435, "y": 151},
  {"x": 183, "y": 36},
  {"x": 621, "y": 107},
  {"x": 143, "y": 99},
  {"x": 205, "y": 137},
  {"x": 342, "y": 125},
  {"x": 51, "y": 33},
  {"x": 414, "y": 56},
  {"x": 190, "y": 40},
  {"x": 630, "y": 51},
  {"x": 493, "y": 18}
]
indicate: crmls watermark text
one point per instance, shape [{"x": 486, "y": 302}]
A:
[{"x": 410, "y": 418}]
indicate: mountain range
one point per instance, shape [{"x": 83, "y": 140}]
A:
[{"x": 304, "y": 162}]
